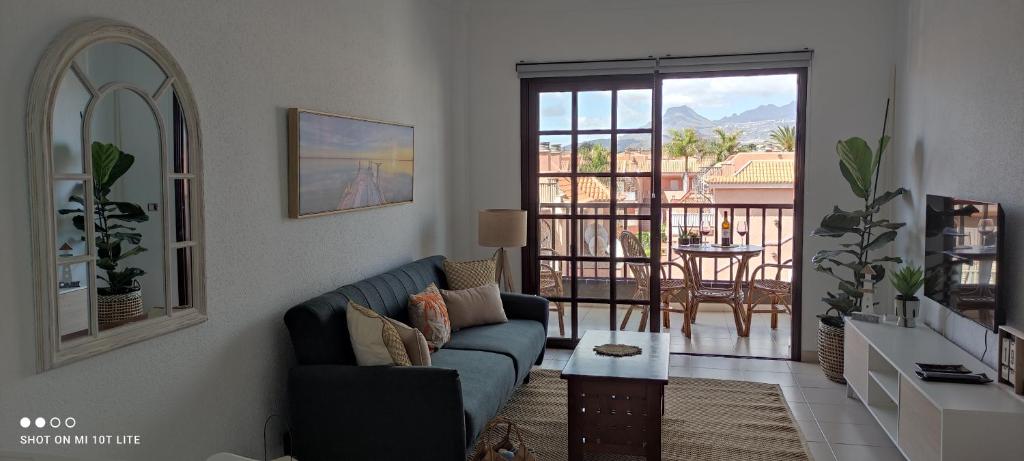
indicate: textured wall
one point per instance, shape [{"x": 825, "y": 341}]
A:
[
  {"x": 848, "y": 83},
  {"x": 209, "y": 388},
  {"x": 960, "y": 132}
]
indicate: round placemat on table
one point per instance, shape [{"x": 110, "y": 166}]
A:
[{"x": 617, "y": 350}]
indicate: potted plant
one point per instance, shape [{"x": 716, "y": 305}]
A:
[
  {"x": 907, "y": 281},
  {"x": 688, "y": 237},
  {"x": 121, "y": 300},
  {"x": 864, "y": 234}
]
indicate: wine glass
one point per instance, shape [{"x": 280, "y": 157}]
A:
[
  {"x": 741, "y": 228},
  {"x": 705, "y": 230},
  {"x": 986, "y": 227}
]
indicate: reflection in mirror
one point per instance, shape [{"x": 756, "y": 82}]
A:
[
  {"x": 126, "y": 165},
  {"x": 109, "y": 62},
  {"x": 69, "y": 201},
  {"x": 68, "y": 110},
  {"x": 73, "y": 300}
]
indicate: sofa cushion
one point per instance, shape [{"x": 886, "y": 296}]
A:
[
  {"x": 487, "y": 379},
  {"x": 520, "y": 340}
]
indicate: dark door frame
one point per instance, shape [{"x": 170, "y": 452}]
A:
[{"x": 529, "y": 129}]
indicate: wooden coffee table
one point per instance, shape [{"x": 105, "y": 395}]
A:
[{"x": 616, "y": 403}]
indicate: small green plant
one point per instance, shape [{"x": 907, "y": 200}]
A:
[
  {"x": 907, "y": 280},
  {"x": 111, "y": 217}
]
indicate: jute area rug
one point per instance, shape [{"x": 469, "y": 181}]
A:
[{"x": 705, "y": 419}]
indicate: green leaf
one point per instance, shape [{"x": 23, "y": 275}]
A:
[
  {"x": 132, "y": 252},
  {"x": 856, "y": 157},
  {"x": 883, "y": 143},
  {"x": 888, "y": 259},
  {"x": 130, "y": 217},
  {"x": 823, "y": 255},
  {"x": 886, "y": 197},
  {"x": 104, "y": 157},
  {"x": 70, "y": 210},
  {"x": 124, "y": 162},
  {"x": 887, "y": 224},
  {"x": 132, "y": 237},
  {"x": 881, "y": 240}
]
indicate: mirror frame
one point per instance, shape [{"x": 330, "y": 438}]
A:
[{"x": 46, "y": 82}]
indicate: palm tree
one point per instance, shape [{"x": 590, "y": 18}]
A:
[
  {"x": 726, "y": 144},
  {"x": 785, "y": 137}
]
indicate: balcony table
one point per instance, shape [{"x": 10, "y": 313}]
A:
[{"x": 698, "y": 291}]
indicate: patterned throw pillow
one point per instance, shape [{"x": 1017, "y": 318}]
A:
[
  {"x": 429, "y": 315},
  {"x": 469, "y": 274},
  {"x": 375, "y": 340},
  {"x": 415, "y": 344}
]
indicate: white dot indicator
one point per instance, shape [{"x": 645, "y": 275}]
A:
[
  {"x": 25, "y": 423},
  {"x": 40, "y": 422}
]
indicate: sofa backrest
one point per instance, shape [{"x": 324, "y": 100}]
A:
[{"x": 318, "y": 327}]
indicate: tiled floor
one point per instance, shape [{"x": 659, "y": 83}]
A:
[
  {"x": 835, "y": 426},
  {"x": 714, "y": 332}
]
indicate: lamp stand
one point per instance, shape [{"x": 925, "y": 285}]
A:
[{"x": 502, "y": 270}]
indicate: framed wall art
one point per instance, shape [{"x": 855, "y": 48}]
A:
[{"x": 338, "y": 163}]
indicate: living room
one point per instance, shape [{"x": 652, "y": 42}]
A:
[{"x": 211, "y": 370}]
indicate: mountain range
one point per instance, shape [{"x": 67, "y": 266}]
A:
[{"x": 756, "y": 124}]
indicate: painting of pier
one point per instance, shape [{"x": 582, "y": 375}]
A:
[{"x": 340, "y": 163}]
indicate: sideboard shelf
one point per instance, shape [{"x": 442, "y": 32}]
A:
[{"x": 930, "y": 420}]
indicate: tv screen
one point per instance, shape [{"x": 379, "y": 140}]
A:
[{"x": 963, "y": 245}]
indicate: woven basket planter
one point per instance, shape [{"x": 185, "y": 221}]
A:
[
  {"x": 830, "y": 351},
  {"x": 117, "y": 309}
]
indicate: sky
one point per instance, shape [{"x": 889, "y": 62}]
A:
[{"x": 713, "y": 98}]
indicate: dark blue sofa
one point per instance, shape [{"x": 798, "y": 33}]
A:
[{"x": 341, "y": 411}]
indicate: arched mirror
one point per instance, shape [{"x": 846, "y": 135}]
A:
[{"x": 116, "y": 187}]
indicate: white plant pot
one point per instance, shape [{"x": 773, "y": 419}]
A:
[{"x": 906, "y": 311}]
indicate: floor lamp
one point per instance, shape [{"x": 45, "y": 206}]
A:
[{"x": 502, "y": 229}]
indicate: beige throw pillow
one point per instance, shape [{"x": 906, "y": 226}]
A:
[
  {"x": 415, "y": 344},
  {"x": 469, "y": 274},
  {"x": 375, "y": 340},
  {"x": 474, "y": 306}
]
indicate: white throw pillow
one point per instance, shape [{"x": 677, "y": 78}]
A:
[{"x": 375, "y": 340}]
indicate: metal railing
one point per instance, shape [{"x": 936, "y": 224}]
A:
[{"x": 768, "y": 225}]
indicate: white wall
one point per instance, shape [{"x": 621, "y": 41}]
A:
[
  {"x": 848, "y": 83},
  {"x": 960, "y": 132},
  {"x": 210, "y": 387}
]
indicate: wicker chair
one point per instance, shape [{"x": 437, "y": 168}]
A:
[
  {"x": 672, "y": 290},
  {"x": 551, "y": 286},
  {"x": 777, "y": 291}
]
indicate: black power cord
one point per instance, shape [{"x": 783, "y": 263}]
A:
[{"x": 986, "y": 347}]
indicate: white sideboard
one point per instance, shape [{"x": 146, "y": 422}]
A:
[{"x": 930, "y": 420}]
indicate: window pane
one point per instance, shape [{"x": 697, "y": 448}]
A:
[
  {"x": 633, "y": 153},
  {"x": 181, "y": 279},
  {"x": 634, "y": 109},
  {"x": 553, "y": 237},
  {"x": 73, "y": 300},
  {"x": 555, "y": 195},
  {"x": 555, "y": 111},
  {"x": 593, "y": 237},
  {"x": 592, "y": 153},
  {"x": 175, "y": 131},
  {"x": 594, "y": 110},
  {"x": 107, "y": 62},
  {"x": 69, "y": 106},
  {"x": 593, "y": 195},
  {"x": 593, "y": 280},
  {"x": 555, "y": 153},
  {"x": 69, "y": 197},
  {"x": 181, "y": 197},
  {"x": 633, "y": 196}
]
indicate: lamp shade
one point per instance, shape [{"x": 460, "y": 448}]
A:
[{"x": 502, "y": 228}]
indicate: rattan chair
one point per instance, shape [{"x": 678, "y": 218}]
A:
[
  {"x": 551, "y": 286},
  {"x": 777, "y": 291},
  {"x": 672, "y": 290}
]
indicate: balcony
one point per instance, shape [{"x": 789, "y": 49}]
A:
[{"x": 601, "y": 273}]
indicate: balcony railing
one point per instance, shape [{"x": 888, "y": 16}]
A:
[{"x": 768, "y": 225}]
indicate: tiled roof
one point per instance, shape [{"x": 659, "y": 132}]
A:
[
  {"x": 758, "y": 172},
  {"x": 591, "y": 189}
]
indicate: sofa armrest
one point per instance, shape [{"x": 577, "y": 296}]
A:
[
  {"x": 350, "y": 412},
  {"x": 525, "y": 307}
]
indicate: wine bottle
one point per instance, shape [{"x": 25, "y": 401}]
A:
[{"x": 726, "y": 230}]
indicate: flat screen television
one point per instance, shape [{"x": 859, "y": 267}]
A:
[{"x": 962, "y": 252}]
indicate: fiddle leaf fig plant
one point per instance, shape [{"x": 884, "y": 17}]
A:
[
  {"x": 116, "y": 239},
  {"x": 858, "y": 231}
]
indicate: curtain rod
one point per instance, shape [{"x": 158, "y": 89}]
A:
[{"x": 667, "y": 56}]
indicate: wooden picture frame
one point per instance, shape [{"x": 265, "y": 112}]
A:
[{"x": 339, "y": 163}]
